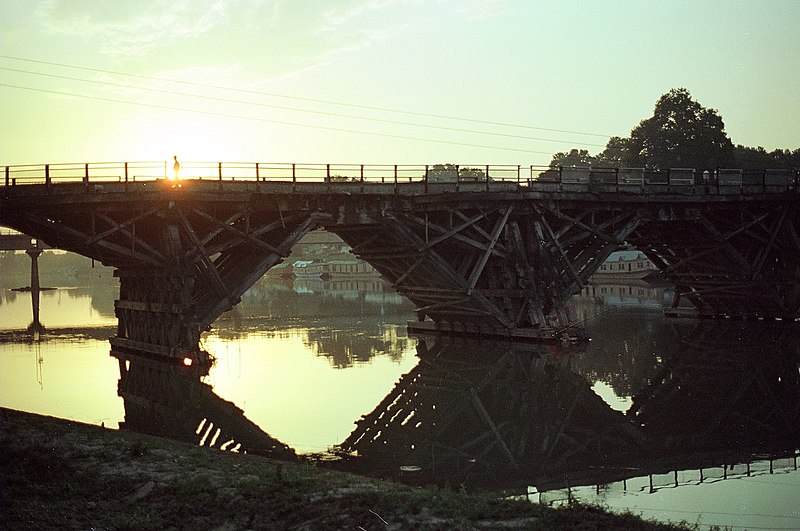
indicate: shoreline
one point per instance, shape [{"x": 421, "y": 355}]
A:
[{"x": 69, "y": 475}]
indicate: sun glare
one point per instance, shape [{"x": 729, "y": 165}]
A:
[{"x": 157, "y": 136}]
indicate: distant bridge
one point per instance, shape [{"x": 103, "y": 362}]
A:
[{"x": 493, "y": 250}]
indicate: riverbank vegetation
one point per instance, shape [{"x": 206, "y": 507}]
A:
[{"x": 58, "y": 474}]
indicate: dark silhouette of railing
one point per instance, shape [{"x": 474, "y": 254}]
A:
[{"x": 458, "y": 177}]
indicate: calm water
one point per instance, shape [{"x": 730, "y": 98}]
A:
[{"x": 328, "y": 368}]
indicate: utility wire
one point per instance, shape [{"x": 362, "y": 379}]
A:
[
  {"x": 339, "y": 115},
  {"x": 312, "y": 100},
  {"x": 279, "y": 122}
]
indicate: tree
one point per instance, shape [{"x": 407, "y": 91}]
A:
[
  {"x": 749, "y": 158},
  {"x": 615, "y": 154},
  {"x": 681, "y": 133},
  {"x": 573, "y": 158}
]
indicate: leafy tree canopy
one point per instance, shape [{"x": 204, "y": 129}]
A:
[{"x": 680, "y": 134}]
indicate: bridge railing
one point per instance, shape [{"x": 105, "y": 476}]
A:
[
  {"x": 95, "y": 172},
  {"x": 428, "y": 178},
  {"x": 720, "y": 181}
]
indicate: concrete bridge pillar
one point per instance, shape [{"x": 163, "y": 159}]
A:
[{"x": 34, "y": 253}]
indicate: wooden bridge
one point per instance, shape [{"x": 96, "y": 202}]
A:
[{"x": 490, "y": 250}]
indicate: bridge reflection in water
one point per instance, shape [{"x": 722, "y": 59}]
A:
[
  {"x": 170, "y": 400},
  {"x": 504, "y": 415}
]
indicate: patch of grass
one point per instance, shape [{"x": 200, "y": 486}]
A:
[{"x": 58, "y": 474}]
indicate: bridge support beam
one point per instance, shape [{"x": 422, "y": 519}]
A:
[
  {"x": 181, "y": 260},
  {"x": 36, "y": 325},
  {"x": 505, "y": 270},
  {"x": 735, "y": 261},
  {"x": 497, "y": 260}
]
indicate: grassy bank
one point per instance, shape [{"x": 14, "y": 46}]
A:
[{"x": 58, "y": 474}]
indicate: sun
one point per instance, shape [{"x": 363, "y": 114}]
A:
[{"x": 190, "y": 138}]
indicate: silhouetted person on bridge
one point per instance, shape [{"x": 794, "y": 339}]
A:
[{"x": 176, "y": 166}]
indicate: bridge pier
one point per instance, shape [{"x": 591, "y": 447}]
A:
[
  {"x": 505, "y": 270},
  {"x": 36, "y": 326},
  {"x": 209, "y": 257},
  {"x": 155, "y": 314}
]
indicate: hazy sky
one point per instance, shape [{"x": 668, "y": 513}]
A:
[{"x": 381, "y": 81}]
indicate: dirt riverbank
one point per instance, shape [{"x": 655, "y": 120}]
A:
[{"x": 57, "y": 474}]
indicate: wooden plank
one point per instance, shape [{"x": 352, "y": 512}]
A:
[
  {"x": 408, "y": 271},
  {"x": 149, "y": 306},
  {"x": 120, "y": 226},
  {"x": 476, "y": 272},
  {"x": 247, "y": 237},
  {"x": 477, "y": 228},
  {"x": 208, "y": 316},
  {"x": 132, "y": 237},
  {"x": 565, "y": 259},
  {"x": 211, "y": 269},
  {"x": 764, "y": 252},
  {"x": 82, "y": 237},
  {"x": 451, "y": 234}
]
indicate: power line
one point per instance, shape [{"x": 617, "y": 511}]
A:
[
  {"x": 339, "y": 115},
  {"x": 279, "y": 122},
  {"x": 312, "y": 100}
]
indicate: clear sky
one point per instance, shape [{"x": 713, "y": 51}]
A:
[{"x": 382, "y": 81}]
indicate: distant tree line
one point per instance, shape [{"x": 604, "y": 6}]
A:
[{"x": 680, "y": 134}]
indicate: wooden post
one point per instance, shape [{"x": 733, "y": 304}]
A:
[
  {"x": 219, "y": 172},
  {"x": 396, "y": 190},
  {"x": 257, "y": 173},
  {"x": 47, "y": 174},
  {"x": 560, "y": 177},
  {"x": 8, "y": 176},
  {"x": 294, "y": 176},
  {"x": 487, "y": 177},
  {"x": 126, "y": 172}
]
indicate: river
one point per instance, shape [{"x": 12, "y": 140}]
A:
[{"x": 673, "y": 419}]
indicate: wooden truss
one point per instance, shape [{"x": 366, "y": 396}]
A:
[
  {"x": 740, "y": 260},
  {"x": 181, "y": 264},
  {"x": 492, "y": 264},
  {"x": 502, "y": 267}
]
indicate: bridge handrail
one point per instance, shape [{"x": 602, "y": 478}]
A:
[{"x": 471, "y": 177}]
